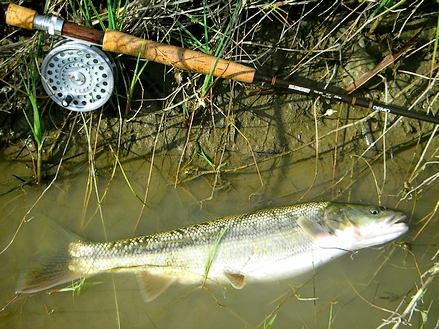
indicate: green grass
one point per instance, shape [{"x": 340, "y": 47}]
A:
[
  {"x": 192, "y": 42},
  {"x": 424, "y": 313},
  {"x": 76, "y": 287},
  {"x": 116, "y": 14},
  {"x": 115, "y": 11},
  {"x": 267, "y": 325},
  {"x": 387, "y": 5},
  {"x": 208, "y": 82},
  {"x": 212, "y": 254},
  {"x": 31, "y": 92},
  {"x": 210, "y": 162},
  {"x": 36, "y": 131},
  {"x": 136, "y": 76},
  {"x": 84, "y": 9}
]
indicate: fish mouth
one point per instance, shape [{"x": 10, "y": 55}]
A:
[
  {"x": 397, "y": 219},
  {"x": 396, "y": 224}
]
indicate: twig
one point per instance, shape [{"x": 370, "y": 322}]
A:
[
  {"x": 386, "y": 61},
  {"x": 408, "y": 312}
]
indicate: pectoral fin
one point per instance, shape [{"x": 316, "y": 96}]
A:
[
  {"x": 236, "y": 280},
  {"x": 313, "y": 228},
  {"x": 152, "y": 286}
]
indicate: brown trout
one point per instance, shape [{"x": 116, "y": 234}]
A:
[{"x": 263, "y": 245}]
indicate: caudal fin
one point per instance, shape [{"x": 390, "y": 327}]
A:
[{"x": 51, "y": 267}]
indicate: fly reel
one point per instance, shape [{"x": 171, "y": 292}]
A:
[{"x": 78, "y": 76}]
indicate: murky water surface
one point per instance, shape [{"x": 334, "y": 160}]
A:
[{"x": 354, "y": 291}]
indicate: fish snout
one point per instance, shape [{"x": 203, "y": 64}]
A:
[
  {"x": 397, "y": 223},
  {"x": 397, "y": 219}
]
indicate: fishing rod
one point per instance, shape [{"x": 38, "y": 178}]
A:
[{"x": 69, "y": 74}]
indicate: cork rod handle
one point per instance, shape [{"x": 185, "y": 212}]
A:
[
  {"x": 126, "y": 44},
  {"x": 20, "y": 16},
  {"x": 178, "y": 57}
]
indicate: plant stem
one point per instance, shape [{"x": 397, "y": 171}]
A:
[{"x": 39, "y": 165}]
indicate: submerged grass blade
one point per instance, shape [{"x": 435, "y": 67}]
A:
[
  {"x": 331, "y": 309},
  {"x": 210, "y": 162},
  {"x": 125, "y": 176},
  {"x": 76, "y": 287},
  {"x": 267, "y": 325},
  {"x": 424, "y": 314},
  {"x": 212, "y": 254}
]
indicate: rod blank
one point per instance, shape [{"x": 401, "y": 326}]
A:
[{"x": 345, "y": 98}]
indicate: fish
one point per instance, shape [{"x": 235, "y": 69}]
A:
[{"x": 260, "y": 246}]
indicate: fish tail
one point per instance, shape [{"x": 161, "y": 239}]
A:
[{"x": 51, "y": 268}]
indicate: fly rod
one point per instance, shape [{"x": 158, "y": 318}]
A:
[{"x": 185, "y": 59}]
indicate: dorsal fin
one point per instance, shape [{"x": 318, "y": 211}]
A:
[
  {"x": 236, "y": 280},
  {"x": 151, "y": 285}
]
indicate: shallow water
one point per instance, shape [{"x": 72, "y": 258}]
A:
[{"x": 356, "y": 292}]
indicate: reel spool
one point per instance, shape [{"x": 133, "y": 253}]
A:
[{"x": 78, "y": 76}]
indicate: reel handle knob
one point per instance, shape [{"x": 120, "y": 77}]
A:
[{"x": 66, "y": 101}]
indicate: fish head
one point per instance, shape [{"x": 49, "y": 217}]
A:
[{"x": 355, "y": 226}]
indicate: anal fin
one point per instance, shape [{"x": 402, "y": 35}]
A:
[
  {"x": 236, "y": 280},
  {"x": 151, "y": 285}
]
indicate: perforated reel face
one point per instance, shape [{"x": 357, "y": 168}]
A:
[{"x": 77, "y": 76}]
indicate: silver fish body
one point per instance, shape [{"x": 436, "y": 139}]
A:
[{"x": 264, "y": 245}]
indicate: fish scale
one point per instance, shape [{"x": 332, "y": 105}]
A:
[
  {"x": 264, "y": 245},
  {"x": 258, "y": 228}
]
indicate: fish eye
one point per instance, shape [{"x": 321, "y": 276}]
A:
[{"x": 374, "y": 211}]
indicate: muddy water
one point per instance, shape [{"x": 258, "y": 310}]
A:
[{"x": 356, "y": 291}]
